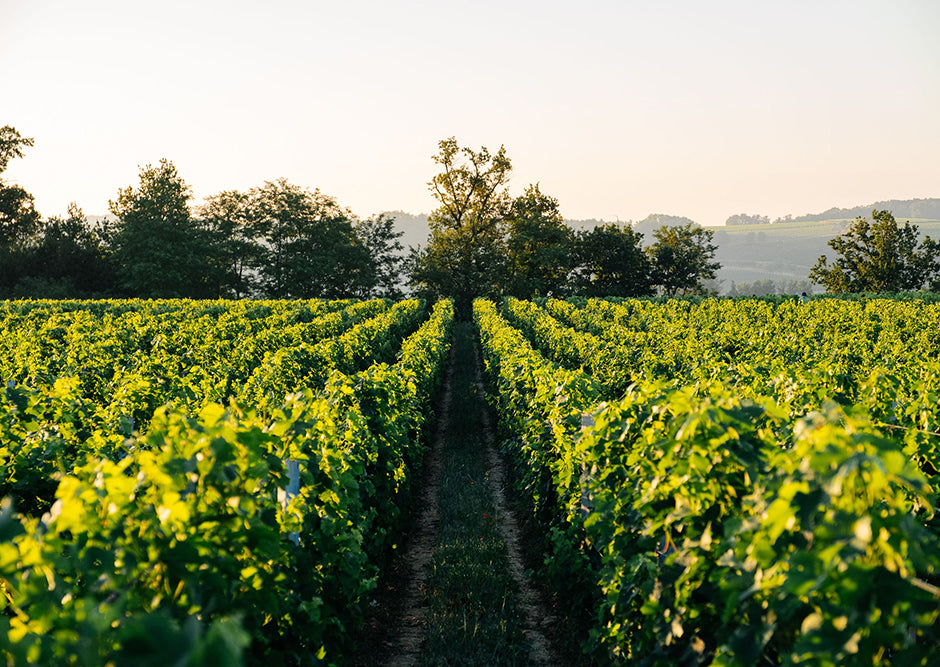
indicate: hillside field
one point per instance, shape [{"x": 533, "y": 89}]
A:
[{"x": 783, "y": 251}]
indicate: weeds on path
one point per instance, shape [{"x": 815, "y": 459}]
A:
[{"x": 472, "y": 614}]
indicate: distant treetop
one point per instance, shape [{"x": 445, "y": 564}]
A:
[
  {"x": 745, "y": 219},
  {"x": 928, "y": 209}
]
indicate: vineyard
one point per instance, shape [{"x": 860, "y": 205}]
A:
[
  {"x": 716, "y": 482},
  {"x": 728, "y": 482},
  {"x": 184, "y": 481}
]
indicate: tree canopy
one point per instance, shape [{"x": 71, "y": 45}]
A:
[
  {"x": 384, "y": 253},
  {"x": 538, "y": 246},
  {"x": 309, "y": 246},
  {"x": 20, "y": 223},
  {"x": 69, "y": 260},
  {"x": 11, "y": 145},
  {"x": 280, "y": 240},
  {"x": 879, "y": 255},
  {"x": 682, "y": 257},
  {"x": 160, "y": 249},
  {"x": 611, "y": 262},
  {"x": 464, "y": 257},
  {"x": 19, "y": 220}
]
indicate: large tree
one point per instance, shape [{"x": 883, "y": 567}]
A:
[
  {"x": 879, "y": 256},
  {"x": 310, "y": 245},
  {"x": 682, "y": 257},
  {"x": 161, "y": 251},
  {"x": 19, "y": 221},
  {"x": 382, "y": 244},
  {"x": 611, "y": 262},
  {"x": 465, "y": 255},
  {"x": 539, "y": 246},
  {"x": 236, "y": 257},
  {"x": 70, "y": 260}
]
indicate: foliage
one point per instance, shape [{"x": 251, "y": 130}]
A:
[
  {"x": 761, "y": 491},
  {"x": 71, "y": 256},
  {"x": 738, "y": 547},
  {"x": 611, "y": 262},
  {"x": 309, "y": 245},
  {"x": 11, "y": 145},
  {"x": 381, "y": 241},
  {"x": 236, "y": 258},
  {"x": 19, "y": 220},
  {"x": 770, "y": 287},
  {"x": 539, "y": 246},
  {"x": 681, "y": 258},
  {"x": 878, "y": 256},
  {"x": 464, "y": 256},
  {"x": 159, "y": 248},
  {"x": 179, "y": 543}
]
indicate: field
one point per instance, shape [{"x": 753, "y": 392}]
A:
[
  {"x": 202, "y": 483},
  {"x": 783, "y": 251},
  {"x": 710, "y": 482},
  {"x": 755, "y": 482}
]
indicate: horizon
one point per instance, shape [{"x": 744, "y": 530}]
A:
[{"x": 618, "y": 110}]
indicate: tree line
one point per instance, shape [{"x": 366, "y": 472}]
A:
[
  {"x": 274, "y": 241},
  {"x": 484, "y": 242},
  {"x": 280, "y": 240}
]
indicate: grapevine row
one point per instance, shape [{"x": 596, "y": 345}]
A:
[
  {"x": 198, "y": 542},
  {"x": 719, "y": 526}
]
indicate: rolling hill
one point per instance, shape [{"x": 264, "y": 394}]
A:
[{"x": 783, "y": 251}]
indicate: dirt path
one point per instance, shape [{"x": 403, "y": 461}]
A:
[
  {"x": 410, "y": 627},
  {"x": 536, "y": 616},
  {"x": 413, "y": 600},
  {"x": 395, "y": 627}
]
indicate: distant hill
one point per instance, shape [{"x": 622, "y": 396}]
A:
[
  {"x": 783, "y": 251},
  {"x": 911, "y": 209},
  {"x": 646, "y": 226},
  {"x": 414, "y": 226},
  {"x": 787, "y": 249}
]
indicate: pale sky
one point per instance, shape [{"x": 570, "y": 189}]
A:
[{"x": 618, "y": 109}]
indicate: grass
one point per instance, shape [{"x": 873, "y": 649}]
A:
[{"x": 472, "y": 617}]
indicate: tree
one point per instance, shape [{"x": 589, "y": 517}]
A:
[
  {"x": 682, "y": 257},
  {"x": 161, "y": 251},
  {"x": 69, "y": 260},
  {"x": 310, "y": 247},
  {"x": 539, "y": 246},
  {"x": 878, "y": 256},
  {"x": 19, "y": 220},
  {"x": 611, "y": 262},
  {"x": 11, "y": 145},
  {"x": 464, "y": 256},
  {"x": 236, "y": 257},
  {"x": 381, "y": 242},
  {"x": 745, "y": 219}
]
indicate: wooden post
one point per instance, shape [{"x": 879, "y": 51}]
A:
[
  {"x": 284, "y": 496},
  {"x": 587, "y": 421}
]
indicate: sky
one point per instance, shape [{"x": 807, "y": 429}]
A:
[{"x": 618, "y": 109}]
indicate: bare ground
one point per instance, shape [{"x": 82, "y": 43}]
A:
[
  {"x": 395, "y": 627},
  {"x": 536, "y": 617}
]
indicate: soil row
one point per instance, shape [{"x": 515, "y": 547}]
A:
[{"x": 457, "y": 592}]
